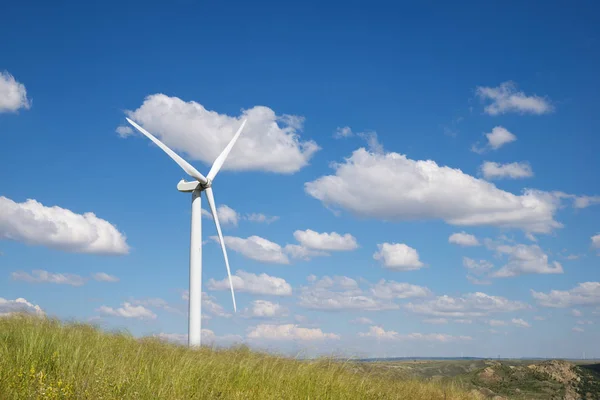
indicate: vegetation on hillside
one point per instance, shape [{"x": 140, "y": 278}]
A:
[{"x": 42, "y": 358}]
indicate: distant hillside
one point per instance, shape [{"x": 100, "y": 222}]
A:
[
  {"x": 43, "y": 358},
  {"x": 509, "y": 379}
]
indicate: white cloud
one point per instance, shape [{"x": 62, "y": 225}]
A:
[
  {"x": 578, "y": 329},
  {"x": 515, "y": 170},
  {"x": 393, "y": 187},
  {"x": 261, "y": 218},
  {"x": 398, "y": 290},
  {"x": 477, "y": 267},
  {"x": 342, "y": 282},
  {"x": 398, "y": 256},
  {"x": 470, "y": 305},
  {"x": 436, "y": 321},
  {"x": 41, "y": 276},
  {"x": 362, "y": 321},
  {"x": 525, "y": 259},
  {"x": 596, "y": 241},
  {"x": 13, "y": 94},
  {"x": 463, "y": 239},
  {"x": 33, "y": 223},
  {"x": 326, "y": 241},
  {"x": 496, "y": 322},
  {"x": 339, "y": 293},
  {"x": 265, "y": 309},
  {"x": 520, "y": 323},
  {"x": 343, "y": 132},
  {"x": 268, "y": 143},
  {"x": 124, "y": 131},
  {"x": 156, "y": 302},
  {"x": 576, "y": 313},
  {"x": 498, "y": 137},
  {"x": 226, "y": 214},
  {"x": 288, "y": 332},
  {"x": 378, "y": 332},
  {"x": 586, "y": 293},
  {"x": 128, "y": 311},
  {"x": 251, "y": 283},
  {"x": 301, "y": 252},
  {"x": 104, "y": 277},
  {"x": 506, "y": 98},
  {"x": 209, "y": 304},
  {"x": 256, "y": 248},
  {"x": 586, "y": 201},
  {"x": 585, "y": 322},
  {"x": 8, "y": 307},
  {"x": 372, "y": 140}
]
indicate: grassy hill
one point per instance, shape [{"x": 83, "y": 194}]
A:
[{"x": 42, "y": 358}]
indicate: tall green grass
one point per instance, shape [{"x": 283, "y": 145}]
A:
[{"x": 42, "y": 358}]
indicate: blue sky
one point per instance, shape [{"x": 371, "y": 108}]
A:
[{"x": 414, "y": 179}]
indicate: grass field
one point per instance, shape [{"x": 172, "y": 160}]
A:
[{"x": 42, "y": 358}]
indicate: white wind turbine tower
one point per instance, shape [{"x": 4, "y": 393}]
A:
[{"x": 201, "y": 184}]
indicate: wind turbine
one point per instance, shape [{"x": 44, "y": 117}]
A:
[{"x": 201, "y": 184}]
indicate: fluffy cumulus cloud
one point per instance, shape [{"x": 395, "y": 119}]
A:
[
  {"x": 478, "y": 269},
  {"x": 209, "y": 304},
  {"x": 342, "y": 293},
  {"x": 301, "y": 252},
  {"x": 13, "y": 95},
  {"x": 596, "y": 241},
  {"x": 104, "y": 277},
  {"x": 255, "y": 284},
  {"x": 515, "y": 170},
  {"x": 507, "y": 98},
  {"x": 8, "y": 307},
  {"x": 128, "y": 310},
  {"x": 326, "y": 241},
  {"x": 398, "y": 290},
  {"x": 362, "y": 321},
  {"x": 156, "y": 303},
  {"x": 463, "y": 239},
  {"x": 33, "y": 223},
  {"x": 398, "y": 256},
  {"x": 256, "y": 248},
  {"x": 586, "y": 293},
  {"x": 378, "y": 332},
  {"x": 393, "y": 187},
  {"x": 269, "y": 142},
  {"x": 261, "y": 218},
  {"x": 288, "y": 332},
  {"x": 41, "y": 276},
  {"x": 226, "y": 214},
  {"x": 520, "y": 323},
  {"x": 265, "y": 309},
  {"x": 586, "y": 201},
  {"x": 469, "y": 305},
  {"x": 498, "y": 137},
  {"x": 343, "y": 132},
  {"x": 525, "y": 259},
  {"x": 124, "y": 131}
]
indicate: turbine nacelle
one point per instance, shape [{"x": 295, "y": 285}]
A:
[{"x": 184, "y": 186}]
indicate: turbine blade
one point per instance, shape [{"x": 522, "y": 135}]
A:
[
  {"x": 191, "y": 171},
  {"x": 213, "y": 209},
  {"x": 214, "y": 170}
]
